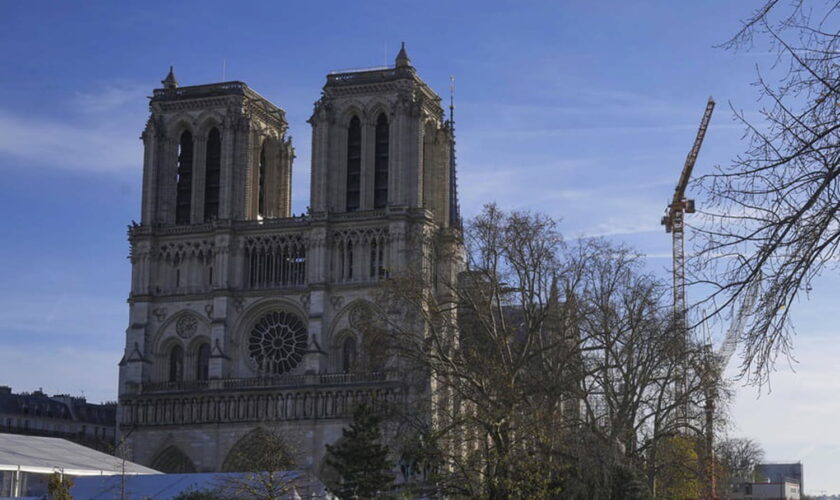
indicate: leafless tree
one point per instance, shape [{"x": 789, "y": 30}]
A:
[
  {"x": 268, "y": 467},
  {"x": 737, "y": 459},
  {"x": 544, "y": 357},
  {"x": 772, "y": 214}
]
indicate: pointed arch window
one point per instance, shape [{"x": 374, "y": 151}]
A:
[
  {"x": 380, "y": 166},
  {"x": 183, "y": 199},
  {"x": 348, "y": 354},
  {"x": 261, "y": 184},
  {"x": 212, "y": 174},
  {"x": 203, "y": 362},
  {"x": 176, "y": 364},
  {"x": 354, "y": 164}
]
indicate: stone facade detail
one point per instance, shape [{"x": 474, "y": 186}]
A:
[{"x": 239, "y": 310}]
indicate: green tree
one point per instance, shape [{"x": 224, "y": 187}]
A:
[
  {"x": 58, "y": 487},
  {"x": 360, "y": 458},
  {"x": 680, "y": 469}
]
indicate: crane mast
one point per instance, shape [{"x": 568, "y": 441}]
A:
[{"x": 674, "y": 220}]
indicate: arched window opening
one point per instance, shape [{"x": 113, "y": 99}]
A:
[
  {"x": 348, "y": 355},
  {"x": 176, "y": 364},
  {"x": 261, "y": 185},
  {"x": 183, "y": 199},
  {"x": 212, "y": 175},
  {"x": 354, "y": 164},
  {"x": 380, "y": 167},
  {"x": 203, "y": 362}
]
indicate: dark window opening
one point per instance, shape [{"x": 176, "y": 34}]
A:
[
  {"x": 212, "y": 175},
  {"x": 348, "y": 354},
  {"x": 261, "y": 185},
  {"x": 354, "y": 164},
  {"x": 183, "y": 199},
  {"x": 176, "y": 364},
  {"x": 380, "y": 170},
  {"x": 203, "y": 364}
]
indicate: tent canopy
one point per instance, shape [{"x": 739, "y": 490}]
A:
[{"x": 46, "y": 455}]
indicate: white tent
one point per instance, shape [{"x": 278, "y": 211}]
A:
[{"x": 45, "y": 455}]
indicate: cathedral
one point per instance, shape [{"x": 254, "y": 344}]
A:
[{"x": 244, "y": 317}]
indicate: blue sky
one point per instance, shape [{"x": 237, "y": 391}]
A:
[{"x": 583, "y": 110}]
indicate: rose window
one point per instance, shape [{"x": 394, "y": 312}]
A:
[{"x": 277, "y": 342}]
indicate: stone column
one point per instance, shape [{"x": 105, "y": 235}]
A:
[
  {"x": 366, "y": 180},
  {"x": 199, "y": 167},
  {"x": 226, "y": 171},
  {"x": 150, "y": 146}
]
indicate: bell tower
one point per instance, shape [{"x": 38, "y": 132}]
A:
[
  {"x": 214, "y": 152},
  {"x": 380, "y": 142}
]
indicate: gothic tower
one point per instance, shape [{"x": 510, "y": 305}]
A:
[{"x": 242, "y": 316}]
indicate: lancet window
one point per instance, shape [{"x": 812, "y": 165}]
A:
[
  {"x": 184, "y": 179},
  {"x": 275, "y": 261},
  {"x": 176, "y": 364},
  {"x": 261, "y": 212},
  {"x": 348, "y": 354},
  {"x": 354, "y": 164},
  {"x": 360, "y": 255},
  {"x": 212, "y": 174},
  {"x": 202, "y": 367},
  {"x": 380, "y": 166}
]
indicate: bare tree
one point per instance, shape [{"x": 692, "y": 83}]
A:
[
  {"x": 772, "y": 215},
  {"x": 737, "y": 459},
  {"x": 268, "y": 466},
  {"x": 551, "y": 364}
]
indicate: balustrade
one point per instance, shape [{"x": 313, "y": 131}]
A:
[{"x": 284, "y": 405}]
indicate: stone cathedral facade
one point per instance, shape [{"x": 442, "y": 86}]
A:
[{"x": 243, "y": 316}]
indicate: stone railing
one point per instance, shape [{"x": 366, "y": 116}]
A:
[
  {"x": 307, "y": 380},
  {"x": 364, "y": 76},
  {"x": 224, "y": 88},
  {"x": 302, "y": 403}
]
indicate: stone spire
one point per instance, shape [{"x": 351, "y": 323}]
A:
[
  {"x": 170, "y": 82},
  {"x": 402, "y": 58}
]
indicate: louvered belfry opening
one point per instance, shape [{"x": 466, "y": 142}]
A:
[
  {"x": 184, "y": 179},
  {"x": 261, "y": 185},
  {"x": 380, "y": 170},
  {"x": 354, "y": 164},
  {"x": 212, "y": 175}
]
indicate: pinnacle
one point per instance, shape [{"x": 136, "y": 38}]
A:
[
  {"x": 170, "y": 82},
  {"x": 402, "y": 58}
]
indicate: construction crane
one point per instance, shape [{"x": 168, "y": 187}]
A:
[
  {"x": 712, "y": 372},
  {"x": 675, "y": 216},
  {"x": 674, "y": 222}
]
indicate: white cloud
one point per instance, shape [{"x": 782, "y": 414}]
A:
[{"x": 103, "y": 139}]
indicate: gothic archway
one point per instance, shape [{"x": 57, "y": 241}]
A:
[
  {"x": 260, "y": 450},
  {"x": 173, "y": 461}
]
